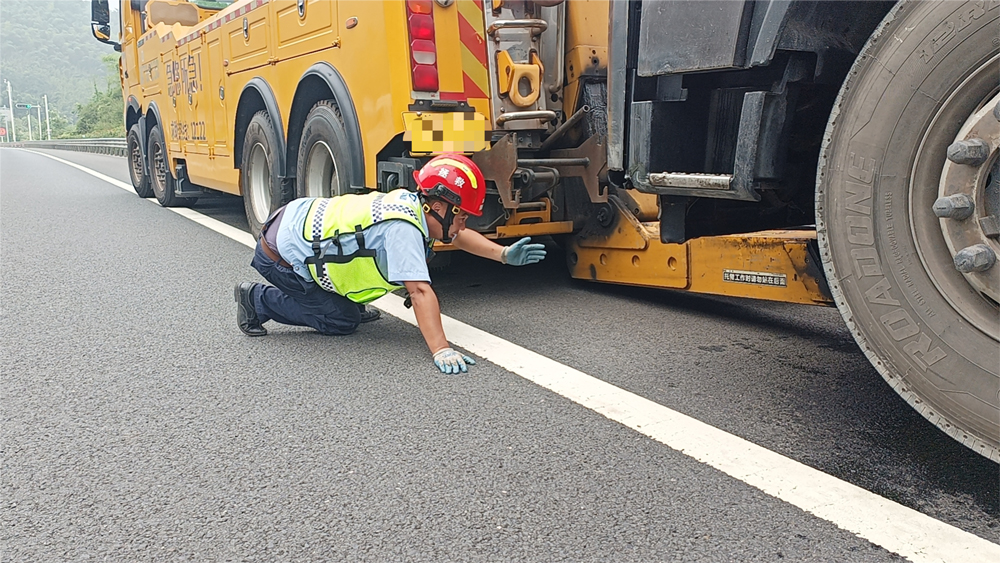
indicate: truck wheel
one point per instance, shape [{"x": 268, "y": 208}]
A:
[
  {"x": 910, "y": 266},
  {"x": 161, "y": 180},
  {"x": 137, "y": 163},
  {"x": 263, "y": 191},
  {"x": 324, "y": 164}
]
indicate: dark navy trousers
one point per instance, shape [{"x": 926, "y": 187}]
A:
[{"x": 292, "y": 300}]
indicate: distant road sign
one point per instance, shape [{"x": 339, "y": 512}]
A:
[
  {"x": 3, "y": 131},
  {"x": 23, "y": 106}
]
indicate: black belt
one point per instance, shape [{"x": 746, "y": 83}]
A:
[{"x": 272, "y": 254}]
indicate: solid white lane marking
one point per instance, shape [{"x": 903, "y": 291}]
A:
[
  {"x": 898, "y": 529},
  {"x": 95, "y": 173},
  {"x": 229, "y": 231},
  {"x": 214, "y": 224}
]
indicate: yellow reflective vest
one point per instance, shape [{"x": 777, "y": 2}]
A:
[{"x": 356, "y": 275}]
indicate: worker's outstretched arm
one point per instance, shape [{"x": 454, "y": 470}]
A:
[
  {"x": 428, "y": 313},
  {"x": 475, "y": 243},
  {"x": 518, "y": 254}
]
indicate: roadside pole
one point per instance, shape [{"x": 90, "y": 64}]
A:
[
  {"x": 39, "y": 122},
  {"x": 30, "y": 134},
  {"x": 48, "y": 127},
  {"x": 10, "y": 100}
]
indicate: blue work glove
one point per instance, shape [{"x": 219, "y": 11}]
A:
[
  {"x": 521, "y": 253},
  {"x": 450, "y": 361}
]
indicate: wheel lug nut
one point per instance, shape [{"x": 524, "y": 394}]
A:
[
  {"x": 975, "y": 258},
  {"x": 972, "y": 152},
  {"x": 958, "y": 206}
]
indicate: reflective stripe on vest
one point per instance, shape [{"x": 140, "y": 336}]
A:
[{"x": 355, "y": 275}]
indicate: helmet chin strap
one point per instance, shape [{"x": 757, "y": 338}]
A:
[{"x": 445, "y": 221}]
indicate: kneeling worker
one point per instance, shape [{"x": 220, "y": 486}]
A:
[{"x": 327, "y": 257}]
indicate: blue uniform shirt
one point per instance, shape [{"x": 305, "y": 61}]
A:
[{"x": 400, "y": 250}]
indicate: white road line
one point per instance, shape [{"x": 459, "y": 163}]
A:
[
  {"x": 214, "y": 224},
  {"x": 899, "y": 529}
]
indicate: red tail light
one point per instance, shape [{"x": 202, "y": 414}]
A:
[
  {"x": 425, "y": 78},
  {"x": 421, "y": 27},
  {"x": 423, "y": 50}
]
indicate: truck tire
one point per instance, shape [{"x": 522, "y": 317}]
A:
[
  {"x": 925, "y": 79},
  {"x": 137, "y": 163},
  {"x": 161, "y": 180},
  {"x": 324, "y": 164},
  {"x": 263, "y": 190}
]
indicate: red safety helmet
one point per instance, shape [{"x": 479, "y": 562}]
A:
[{"x": 456, "y": 179}]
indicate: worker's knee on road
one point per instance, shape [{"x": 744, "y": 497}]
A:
[
  {"x": 340, "y": 317},
  {"x": 338, "y": 329}
]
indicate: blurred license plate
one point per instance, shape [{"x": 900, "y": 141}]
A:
[{"x": 430, "y": 132}]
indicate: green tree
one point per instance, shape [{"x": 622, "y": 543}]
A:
[
  {"x": 102, "y": 115},
  {"x": 60, "y": 126}
]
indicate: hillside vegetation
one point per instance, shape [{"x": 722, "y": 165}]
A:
[{"x": 46, "y": 49}]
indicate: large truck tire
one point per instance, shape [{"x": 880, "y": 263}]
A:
[
  {"x": 912, "y": 274},
  {"x": 324, "y": 163},
  {"x": 161, "y": 180},
  {"x": 264, "y": 191},
  {"x": 137, "y": 163}
]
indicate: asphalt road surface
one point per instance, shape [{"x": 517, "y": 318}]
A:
[{"x": 139, "y": 424}]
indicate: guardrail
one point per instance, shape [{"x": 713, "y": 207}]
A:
[{"x": 116, "y": 147}]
